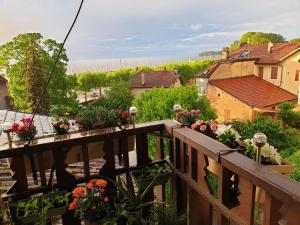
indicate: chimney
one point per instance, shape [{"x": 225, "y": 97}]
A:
[
  {"x": 270, "y": 46},
  {"x": 143, "y": 78},
  {"x": 225, "y": 54}
]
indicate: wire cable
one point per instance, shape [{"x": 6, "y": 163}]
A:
[
  {"x": 53, "y": 67},
  {"x": 32, "y": 163}
]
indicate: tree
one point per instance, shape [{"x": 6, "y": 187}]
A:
[
  {"x": 295, "y": 40},
  {"x": 101, "y": 81},
  {"x": 157, "y": 104},
  {"x": 257, "y": 38},
  {"x": 86, "y": 81},
  {"x": 27, "y": 61}
]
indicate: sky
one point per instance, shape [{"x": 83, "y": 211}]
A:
[{"x": 147, "y": 28}]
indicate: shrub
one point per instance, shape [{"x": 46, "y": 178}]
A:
[
  {"x": 289, "y": 117},
  {"x": 295, "y": 159},
  {"x": 157, "y": 104},
  {"x": 278, "y": 136}
]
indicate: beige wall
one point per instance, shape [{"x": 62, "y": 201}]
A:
[
  {"x": 286, "y": 73},
  {"x": 236, "y": 69},
  {"x": 267, "y": 73},
  {"x": 3, "y": 93},
  {"x": 228, "y": 107}
]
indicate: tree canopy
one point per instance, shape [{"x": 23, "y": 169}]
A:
[
  {"x": 257, "y": 38},
  {"x": 27, "y": 60},
  {"x": 295, "y": 40}
]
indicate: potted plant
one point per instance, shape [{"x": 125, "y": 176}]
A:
[
  {"x": 24, "y": 130},
  {"x": 207, "y": 128},
  {"x": 134, "y": 199},
  {"x": 270, "y": 158},
  {"x": 187, "y": 117},
  {"x": 144, "y": 176},
  {"x": 61, "y": 125},
  {"x": 93, "y": 202},
  {"x": 228, "y": 136},
  {"x": 39, "y": 209},
  {"x": 96, "y": 203}
]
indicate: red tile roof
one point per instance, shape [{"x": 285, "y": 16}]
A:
[
  {"x": 163, "y": 78},
  {"x": 254, "y": 91},
  {"x": 260, "y": 51}
]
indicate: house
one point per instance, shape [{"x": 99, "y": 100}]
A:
[
  {"x": 5, "y": 100},
  {"x": 146, "y": 80},
  {"x": 268, "y": 73}
]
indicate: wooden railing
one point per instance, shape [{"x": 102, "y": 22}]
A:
[{"x": 193, "y": 157}]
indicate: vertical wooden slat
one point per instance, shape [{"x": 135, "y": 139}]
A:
[
  {"x": 200, "y": 209},
  {"x": 292, "y": 217},
  {"x": 65, "y": 181},
  {"x": 86, "y": 162},
  {"x": 40, "y": 159},
  {"x": 142, "y": 149},
  {"x": 272, "y": 208},
  {"x": 160, "y": 191},
  {"x": 109, "y": 168},
  {"x": 19, "y": 175}
]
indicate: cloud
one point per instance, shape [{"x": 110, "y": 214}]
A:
[
  {"x": 196, "y": 27},
  {"x": 135, "y": 28}
]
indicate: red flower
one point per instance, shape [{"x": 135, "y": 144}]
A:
[
  {"x": 106, "y": 200},
  {"x": 89, "y": 186},
  {"x": 93, "y": 181},
  {"x": 101, "y": 183},
  {"x": 77, "y": 192},
  {"x": 15, "y": 127},
  {"x": 102, "y": 190},
  {"x": 124, "y": 115},
  {"x": 72, "y": 205}
]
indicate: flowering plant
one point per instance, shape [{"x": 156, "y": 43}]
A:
[
  {"x": 61, "y": 125},
  {"x": 24, "y": 131},
  {"x": 92, "y": 202},
  {"x": 228, "y": 136},
  {"x": 269, "y": 154},
  {"x": 187, "y": 117},
  {"x": 208, "y": 128}
]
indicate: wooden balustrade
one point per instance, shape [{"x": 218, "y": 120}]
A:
[
  {"x": 194, "y": 159},
  {"x": 196, "y": 156}
]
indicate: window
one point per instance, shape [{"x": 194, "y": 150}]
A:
[
  {"x": 274, "y": 72},
  {"x": 297, "y": 75},
  {"x": 202, "y": 86},
  {"x": 261, "y": 72}
]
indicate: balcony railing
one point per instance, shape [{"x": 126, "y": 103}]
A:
[{"x": 193, "y": 157}]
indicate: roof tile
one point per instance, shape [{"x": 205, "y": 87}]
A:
[{"x": 254, "y": 91}]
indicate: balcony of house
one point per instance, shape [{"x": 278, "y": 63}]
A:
[{"x": 210, "y": 182}]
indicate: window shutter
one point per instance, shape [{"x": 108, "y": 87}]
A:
[
  {"x": 261, "y": 71},
  {"x": 274, "y": 72},
  {"x": 297, "y": 75}
]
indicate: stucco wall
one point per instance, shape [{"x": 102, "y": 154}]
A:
[
  {"x": 267, "y": 73},
  {"x": 226, "y": 106},
  {"x": 236, "y": 69},
  {"x": 3, "y": 93}
]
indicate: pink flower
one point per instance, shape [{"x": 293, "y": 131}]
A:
[
  {"x": 213, "y": 126},
  {"x": 199, "y": 122},
  {"x": 194, "y": 126},
  {"x": 106, "y": 200},
  {"x": 203, "y": 128}
]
